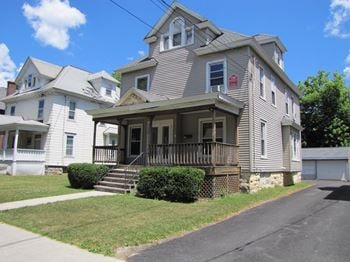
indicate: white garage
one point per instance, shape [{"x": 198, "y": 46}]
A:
[{"x": 326, "y": 163}]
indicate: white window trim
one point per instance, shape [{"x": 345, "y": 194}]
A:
[
  {"x": 148, "y": 76},
  {"x": 263, "y": 156},
  {"x": 43, "y": 109},
  {"x": 286, "y": 102},
  {"x": 65, "y": 145},
  {"x": 170, "y": 35},
  {"x": 163, "y": 123},
  {"x": 202, "y": 121},
  {"x": 75, "y": 110},
  {"x": 296, "y": 156},
  {"x": 273, "y": 90},
  {"x": 263, "y": 82},
  {"x": 208, "y": 88},
  {"x": 129, "y": 138}
]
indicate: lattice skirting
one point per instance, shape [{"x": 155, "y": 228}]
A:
[{"x": 217, "y": 185}]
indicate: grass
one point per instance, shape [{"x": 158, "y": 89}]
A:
[
  {"x": 13, "y": 188},
  {"x": 103, "y": 224}
]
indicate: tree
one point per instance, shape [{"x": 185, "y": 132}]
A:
[
  {"x": 117, "y": 75},
  {"x": 325, "y": 110}
]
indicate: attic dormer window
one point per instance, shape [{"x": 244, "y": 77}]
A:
[{"x": 178, "y": 35}]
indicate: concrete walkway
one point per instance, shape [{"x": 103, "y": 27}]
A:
[
  {"x": 17, "y": 245},
  {"x": 47, "y": 200}
]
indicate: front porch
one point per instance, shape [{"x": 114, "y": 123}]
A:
[
  {"x": 186, "y": 134},
  {"x": 22, "y": 143}
]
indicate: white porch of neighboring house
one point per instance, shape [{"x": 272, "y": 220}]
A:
[{"x": 22, "y": 146}]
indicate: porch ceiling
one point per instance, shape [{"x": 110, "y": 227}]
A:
[
  {"x": 16, "y": 122},
  {"x": 185, "y": 104}
]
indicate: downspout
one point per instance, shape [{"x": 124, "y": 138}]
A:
[
  {"x": 251, "y": 120},
  {"x": 63, "y": 129}
]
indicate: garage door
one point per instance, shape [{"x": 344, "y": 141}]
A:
[
  {"x": 309, "y": 169},
  {"x": 332, "y": 170}
]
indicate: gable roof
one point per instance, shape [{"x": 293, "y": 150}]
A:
[
  {"x": 102, "y": 74},
  {"x": 324, "y": 153},
  {"x": 265, "y": 39},
  {"x": 168, "y": 13},
  {"x": 142, "y": 96},
  {"x": 69, "y": 79},
  {"x": 44, "y": 68}
]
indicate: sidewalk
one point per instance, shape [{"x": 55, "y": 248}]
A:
[
  {"x": 17, "y": 245},
  {"x": 47, "y": 200}
]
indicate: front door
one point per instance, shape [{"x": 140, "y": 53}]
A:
[
  {"x": 162, "y": 132},
  {"x": 162, "y": 135},
  {"x": 135, "y": 140}
]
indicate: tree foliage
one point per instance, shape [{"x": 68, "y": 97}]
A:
[
  {"x": 117, "y": 75},
  {"x": 325, "y": 110}
]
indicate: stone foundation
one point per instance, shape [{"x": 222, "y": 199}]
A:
[
  {"x": 53, "y": 171},
  {"x": 254, "y": 182},
  {"x": 291, "y": 178}
]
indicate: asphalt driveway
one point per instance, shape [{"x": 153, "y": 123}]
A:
[{"x": 312, "y": 225}]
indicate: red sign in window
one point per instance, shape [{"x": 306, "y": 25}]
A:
[{"x": 233, "y": 81}]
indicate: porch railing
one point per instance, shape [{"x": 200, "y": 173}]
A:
[
  {"x": 23, "y": 155},
  {"x": 193, "y": 154},
  {"x": 107, "y": 154}
]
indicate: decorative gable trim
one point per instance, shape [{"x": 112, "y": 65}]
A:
[
  {"x": 168, "y": 13},
  {"x": 132, "y": 97}
]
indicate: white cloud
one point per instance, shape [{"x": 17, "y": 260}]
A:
[
  {"x": 7, "y": 66},
  {"x": 130, "y": 58},
  {"x": 346, "y": 72},
  {"x": 51, "y": 21},
  {"x": 141, "y": 53},
  {"x": 340, "y": 15}
]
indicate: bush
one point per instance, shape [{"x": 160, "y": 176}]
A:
[
  {"x": 170, "y": 183},
  {"x": 84, "y": 175}
]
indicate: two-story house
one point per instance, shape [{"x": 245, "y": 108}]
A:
[
  {"x": 205, "y": 96},
  {"x": 45, "y": 124}
]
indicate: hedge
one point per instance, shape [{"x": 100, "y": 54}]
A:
[
  {"x": 181, "y": 184},
  {"x": 84, "y": 175}
]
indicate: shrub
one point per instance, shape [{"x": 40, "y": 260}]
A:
[
  {"x": 84, "y": 175},
  {"x": 170, "y": 183}
]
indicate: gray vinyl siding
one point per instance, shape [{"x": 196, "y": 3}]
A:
[
  {"x": 270, "y": 49},
  {"x": 180, "y": 73},
  {"x": 263, "y": 110}
]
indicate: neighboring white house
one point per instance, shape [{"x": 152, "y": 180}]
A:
[
  {"x": 45, "y": 123},
  {"x": 328, "y": 163}
]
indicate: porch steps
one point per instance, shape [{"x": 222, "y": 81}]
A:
[{"x": 118, "y": 180}]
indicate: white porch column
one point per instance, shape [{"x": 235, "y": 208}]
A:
[
  {"x": 6, "y": 137},
  {"x": 15, "y": 146}
]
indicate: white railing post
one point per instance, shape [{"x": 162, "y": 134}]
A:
[
  {"x": 5, "y": 144},
  {"x": 15, "y": 146}
]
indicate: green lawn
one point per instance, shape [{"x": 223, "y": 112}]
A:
[
  {"x": 13, "y": 188},
  {"x": 102, "y": 224}
]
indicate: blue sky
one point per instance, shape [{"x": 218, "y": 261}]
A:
[{"x": 101, "y": 36}]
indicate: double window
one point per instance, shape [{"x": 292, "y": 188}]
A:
[
  {"x": 30, "y": 82},
  {"x": 72, "y": 107},
  {"x": 263, "y": 142},
  {"x": 70, "y": 144},
  {"x": 273, "y": 90},
  {"x": 261, "y": 82},
  {"x": 216, "y": 76},
  {"x": 142, "y": 82},
  {"x": 178, "y": 35},
  {"x": 41, "y": 109}
]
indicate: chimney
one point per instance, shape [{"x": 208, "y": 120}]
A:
[{"x": 11, "y": 88}]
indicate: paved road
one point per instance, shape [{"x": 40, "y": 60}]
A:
[
  {"x": 312, "y": 225},
  {"x": 17, "y": 245}
]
